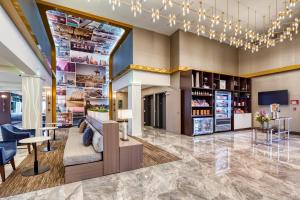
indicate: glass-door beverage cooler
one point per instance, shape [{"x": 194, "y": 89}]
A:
[
  {"x": 203, "y": 125},
  {"x": 223, "y": 111}
]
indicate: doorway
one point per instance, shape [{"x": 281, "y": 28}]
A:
[
  {"x": 155, "y": 110},
  {"x": 148, "y": 110},
  {"x": 160, "y": 111}
]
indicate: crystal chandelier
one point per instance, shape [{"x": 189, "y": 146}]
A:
[
  {"x": 281, "y": 27},
  {"x": 136, "y": 7},
  {"x": 222, "y": 37},
  {"x": 215, "y": 20},
  {"x": 185, "y": 7},
  {"x": 212, "y": 34},
  {"x": 155, "y": 15},
  {"x": 186, "y": 25},
  {"x": 114, "y": 4},
  {"x": 201, "y": 13},
  {"x": 167, "y": 3},
  {"x": 172, "y": 20}
]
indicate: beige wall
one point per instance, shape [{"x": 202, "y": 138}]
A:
[
  {"x": 174, "y": 50},
  {"x": 202, "y": 53},
  {"x": 284, "y": 81},
  {"x": 150, "y": 48},
  {"x": 284, "y": 54},
  {"x": 123, "y": 96}
]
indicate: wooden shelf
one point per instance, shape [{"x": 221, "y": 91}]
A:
[
  {"x": 191, "y": 78},
  {"x": 199, "y": 88},
  {"x": 201, "y": 106},
  {"x": 202, "y": 115},
  {"x": 202, "y": 95}
]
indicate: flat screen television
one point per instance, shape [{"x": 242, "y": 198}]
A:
[{"x": 279, "y": 96}]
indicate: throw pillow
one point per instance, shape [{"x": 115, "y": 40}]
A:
[
  {"x": 80, "y": 121},
  {"x": 98, "y": 142},
  {"x": 87, "y": 137},
  {"x": 82, "y": 127}
]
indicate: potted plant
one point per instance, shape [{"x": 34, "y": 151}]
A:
[
  {"x": 99, "y": 113},
  {"x": 263, "y": 118}
]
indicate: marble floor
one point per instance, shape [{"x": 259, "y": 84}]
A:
[{"x": 219, "y": 167}]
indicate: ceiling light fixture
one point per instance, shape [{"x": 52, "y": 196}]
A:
[
  {"x": 155, "y": 15},
  {"x": 114, "y": 4},
  {"x": 136, "y": 7},
  {"x": 186, "y": 25},
  {"x": 201, "y": 13},
  {"x": 278, "y": 29},
  {"x": 172, "y": 20},
  {"x": 185, "y": 7},
  {"x": 167, "y": 3}
]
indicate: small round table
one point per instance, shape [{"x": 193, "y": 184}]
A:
[
  {"x": 53, "y": 124},
  {"x": 36, "y": 168},
  {"x": 48, "y": 148}
]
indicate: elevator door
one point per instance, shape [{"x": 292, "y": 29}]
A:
[
  {"x": 160, "y": 110},
  {"x": 148, "y": 110}
]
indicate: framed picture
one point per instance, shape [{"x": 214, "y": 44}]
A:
[{"x": 223, "y": 84}]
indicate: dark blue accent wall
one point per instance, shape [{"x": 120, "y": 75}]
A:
[
  {"x": 34, "y": 19},
  {"x": 123, "y": 56}
]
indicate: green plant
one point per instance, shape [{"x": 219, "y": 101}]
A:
[
  {"x": 262, "y": 117},
  {"x": 98, "y": 109}
]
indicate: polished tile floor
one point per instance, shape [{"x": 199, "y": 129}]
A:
[{"x": 219, "y": 167}]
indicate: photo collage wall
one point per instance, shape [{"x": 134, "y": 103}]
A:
[{"x": 82, "y": 64}]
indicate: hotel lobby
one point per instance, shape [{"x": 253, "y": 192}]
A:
[{"x": 141, "y": 99}]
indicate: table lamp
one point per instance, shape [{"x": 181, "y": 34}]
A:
[{"x": 124, "y": 115}]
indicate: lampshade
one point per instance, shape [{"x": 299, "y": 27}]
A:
[
  {"x": 124, "y": 114},
  {"x": 3, "y": 96}
]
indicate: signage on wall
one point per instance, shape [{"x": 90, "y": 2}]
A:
[{"x": 295, "y": 102}]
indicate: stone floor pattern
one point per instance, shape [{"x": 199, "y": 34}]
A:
[{"x": 219, "y": 167}]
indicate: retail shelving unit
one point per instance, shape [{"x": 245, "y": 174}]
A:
[{"x": 199, "y": 102}]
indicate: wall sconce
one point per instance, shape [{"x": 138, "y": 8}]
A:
[
  {"x": 3, "y": 97},
  {"x": 48, "y": 95}
]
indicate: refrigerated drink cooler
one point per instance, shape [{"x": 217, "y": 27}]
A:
[
  {"x": 203, "y": 126},
  {"x": 223, "y": 111}
]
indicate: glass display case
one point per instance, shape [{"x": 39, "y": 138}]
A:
[
  {"x": 202, "y": 125},
  {"x": 223, "y": 110}
]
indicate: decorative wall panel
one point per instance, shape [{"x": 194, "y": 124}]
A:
[
  {"x": 31, "y": 102},
  {"x": 83, "y": 48}
]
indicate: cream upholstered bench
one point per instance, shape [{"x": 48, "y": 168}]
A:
[{"x": 83, "y": 162}]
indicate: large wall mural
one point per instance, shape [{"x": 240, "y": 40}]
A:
[{"x": 83, "y": 48}]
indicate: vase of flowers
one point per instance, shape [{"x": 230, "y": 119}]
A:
[{"x": 263, "y": 118}]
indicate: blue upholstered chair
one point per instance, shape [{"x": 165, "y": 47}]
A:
[
  {"x": 11, "y": 133},
  {"x": 8, "y": 150}
]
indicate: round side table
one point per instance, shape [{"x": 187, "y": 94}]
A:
[
  {"x": 48, "y": 148},
  {"x": 36, "y": 168}
]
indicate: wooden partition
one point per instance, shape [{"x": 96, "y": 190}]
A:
[{"x": 111, "y": 154}]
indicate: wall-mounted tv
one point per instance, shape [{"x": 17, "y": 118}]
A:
[{"x": 279, "y": 96}]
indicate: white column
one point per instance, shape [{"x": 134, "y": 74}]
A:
[
  {"x": 31, "y": 102},
  {"x": 135, "y": 104}
]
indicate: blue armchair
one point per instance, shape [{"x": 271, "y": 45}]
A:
[
  {"x": 8, "y": 150},
  {"x": 11, "y": 133}
]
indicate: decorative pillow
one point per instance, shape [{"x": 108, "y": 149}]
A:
[
  {"x": 80, "y": 121},
  {"x": 87, "y": 137},
  {"x": 98, "y": 142},
  {"x": 82, "y": 127}
]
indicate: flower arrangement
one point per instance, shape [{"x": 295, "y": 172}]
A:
[{"x": 262, "y": 117}]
